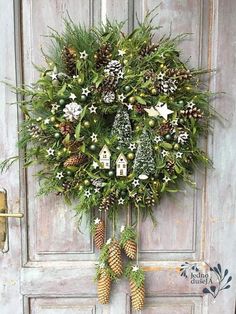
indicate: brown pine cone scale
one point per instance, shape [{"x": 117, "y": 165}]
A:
[
  {"x": 75, "y": 160},
  {"x": 130, "y": 248},
  {"x": 114, "y": 259},
  {"x": 99, "y": 235}
]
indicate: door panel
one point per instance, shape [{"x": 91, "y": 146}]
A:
[{"x": 52, "y": 263}]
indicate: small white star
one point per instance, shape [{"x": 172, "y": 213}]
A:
[
  {"x": 108, "y": 241},
  {"x": 92, "y": 109},
  {"x": 94, "y": 137},
  {"x": 157, "y": 139},
  {"x": 96, "y": 190},
  {"x": 55, "y": 107},
  {"x": 75, "y": 76},
  {"x": 182, "y": 138},
  {"x": 95, "y": 165},
  {"x": 122, "y": 228},
  {"x": 59, "y": 175},
  {"x": 85, "y": 91},
  {"x": 190, "y": 104},
  {"x": 175, "y": 122},
  {"x": 132, "y": 194},
  {"x": 120, "y": 75},
  {"x": 47, "y": 121},
  {"x": 53, "y": 76},
  {"x": 121, "y": 98},
  {"x": 138, "y": 199},
  {"x": 161, "y": 76},
  {"x": 121, "y": 52},
  {"x": 135, "y": 182},
  {"x": 50, "y": 152},
  {"x": 164, "y": 153},
  {"x": 87, "y": 193},
  {"x": 135, "y": 268},
  {"x": 102, "y": 265},
  {"x": 129, "y": 106},
  {"x": 72, "y": 96},
  {"x": 83, "y": 55},
  {"x": 121, "y": 201},
  {"x": 96, "y": 221},
  {"x": 132, "y": 146},
  {"x": 179, "y": 155},
  {"x": 166, "y": 179}
]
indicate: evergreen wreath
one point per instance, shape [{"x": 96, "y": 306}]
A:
[{"x": 114, "y": 120}]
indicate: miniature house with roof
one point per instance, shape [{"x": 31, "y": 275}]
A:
[
  {"x": 104, "y": 157},
  {"x": 121, "y": 166}
]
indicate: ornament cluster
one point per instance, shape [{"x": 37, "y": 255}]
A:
[{"x": 114, "y": 120}]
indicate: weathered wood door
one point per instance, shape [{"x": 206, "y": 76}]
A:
[{"x": 48, "y": 266}]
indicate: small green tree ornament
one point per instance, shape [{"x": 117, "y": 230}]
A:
[
  {"x": 122, "y": 128},
  {"x": 144, "y": 163}
]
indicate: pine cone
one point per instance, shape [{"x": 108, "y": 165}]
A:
[
  {"x": 107, "y": 202},
  {"x": 137, "y": 295},
  {"x": 104, "y": 287},
  {"x": 99, "y": 235},
  {"x": 114, "y": 259},
  {"x": 150, "y": 201},
  {"x": 165, "y": 128},
  {"x": 148, "y": 49},
  {"x": 170, "y": 166},
  {"x": 139, "y": 108},
  {"x": 66, "y": 128},
  {"x": 130, "y": 248},
  {"x": 75, "y": 160},
  {"x": 103, "y": 55},
  {"x": 179, "y": 74},
  {"x": 69, "y": 58},
  {"x": 108, "y": 97},
  {"x": 73, "y": 145},
  {"x": 113, "y": 67},
  {"x": 192, "y": 112}
]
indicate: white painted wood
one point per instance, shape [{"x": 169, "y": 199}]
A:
[{"x": 57, "y": 269}]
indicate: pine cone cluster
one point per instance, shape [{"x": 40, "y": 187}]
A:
[
  {"x": 165, "y": 128},
  {"x": 179, "y": 74},
  {"x": 99, "y": 235},
  {"x": 137, "y": 295},
  {"x": 148, "y": 49},
  {"x": 107, "y": 202},
  {"x": 66, "y": 128},
  {"x": 75, "y": 160},
  {"x": 130, "y": 248},
  {"x": 103, "y": 55},
  {"x": 114, "y": 258},
  {"x": 192, "y": 112},
  {"x": 104, "y": 287},
  {"x": 69, "y": 58}
]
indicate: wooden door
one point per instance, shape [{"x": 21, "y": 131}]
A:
[{"x": 48, "y": 266}]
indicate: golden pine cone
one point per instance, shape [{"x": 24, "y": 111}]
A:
[
  {"x": 137, "y": 295},
  {"x": 114, "y": 259},
  {"x": 104, "y": 287},
  {"x": 99, "y": 235},
  {"x": 75, "y": 160},
  {"x": 130, "y": 248}
]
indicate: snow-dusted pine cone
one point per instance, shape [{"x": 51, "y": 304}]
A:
[
  {"x": 99, "y": 235},
  {"x": 34, "y": 130},
  {"x": 75, "y": 160},
  {"x": 192, "y": 112},
  {"x": 130, "y": 248},
  {"x": 114, "y": 259},
  {"x": 104, "y": 287},
  {"x": 113, "y": 67},
  {"x": 107, "y": 202},
  {"x": 108, "y": 97},
  {"x": 137, "y": 295}
]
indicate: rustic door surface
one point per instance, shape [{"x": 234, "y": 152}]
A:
[{"x": 48, "y": 266}]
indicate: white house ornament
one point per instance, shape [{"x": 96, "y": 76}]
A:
[
  {"x": 121, "y": 166},
  {"x": 104, "y": 158}
]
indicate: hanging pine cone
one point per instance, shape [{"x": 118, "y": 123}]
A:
[
  {"x": 179, "y": 74},
  {"x": 104, "y": 287},
  {"x": 69, "y": 58},
  {"x": 192, "y": 112},
  {"x": 107, "y": 202},
  {"x": 66, "y": 128},
  {"x": 148, "y": 49},
  {"x": 137, "y": 295},
  {"x": 114, "y": 258},
  {"x": 165, "y": 128},
  {"x": 99, "y": 235},
  {"x": 75, "y": 160},
  {"x": 130, "y": 248},
  {"x": 103, "y": 55}
]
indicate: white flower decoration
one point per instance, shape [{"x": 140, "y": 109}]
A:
[{"x": 59, "y": 175}]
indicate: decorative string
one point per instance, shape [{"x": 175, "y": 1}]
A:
[
  {"x": 128, "y": 217},
  {"x": 105, "y": 217},
  {"x": 113, "y": 224},
  {"x": 138, "y": 227}
]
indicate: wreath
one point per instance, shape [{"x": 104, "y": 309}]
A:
[{"x": 114, "y": 121}]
